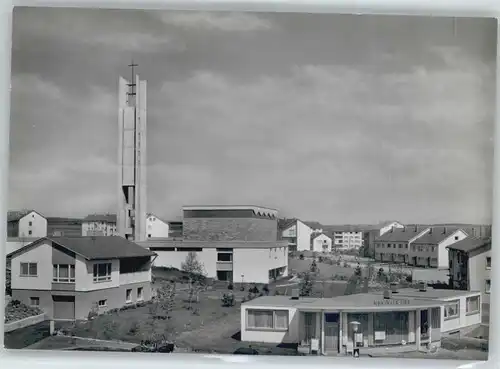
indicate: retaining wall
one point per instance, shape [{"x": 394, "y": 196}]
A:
[{"x": 26, "y": 322}]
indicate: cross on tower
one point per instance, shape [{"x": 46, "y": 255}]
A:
[{"x": 132, "y": 80}]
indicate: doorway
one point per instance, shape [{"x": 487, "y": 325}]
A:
[
  {"x": 331, "y": 332},
  {"x": 64, "y": 307},
  {"x": 424, "y": 325}
]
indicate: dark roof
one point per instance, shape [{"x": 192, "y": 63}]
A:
[
  {"x": 313, "y": 224},
  {"x": 109, "y": 218},
  {"x": 285, "y": 223},
  {"x": 54, "y": 220},
  {"x": 175, "y": 233},
  {"x": 98, "y": 247},
  {"x": 436, "y": 235},
  {"x": 400, "y": 234},
  {"x": 16, "y": 215},
  {"x": 469, "y": 244}
]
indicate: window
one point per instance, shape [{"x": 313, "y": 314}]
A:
[
  {"x": 35, "y": 301},
  {"x": 224, "y": 256},
  {"x": 29, "y": 269},
  {"x": 267, "y": 319},
  {"x": 473, "y": 304},
  {"x": 149, "y": 236},
  {"x": 452, "y": 310},
  {"x": 488, "y": 262},
  {"x": 102, "y": 272},
  {"x": 63, "y": 273},
  {"x": 30, "y": 232},
  {"x": 128, "y": 296},
  {"x": 487, "y": 286},
  {"x": 30, "y": 224},
  {"x": 140, "y": 295},
  {"x": 102, "y": 303}
]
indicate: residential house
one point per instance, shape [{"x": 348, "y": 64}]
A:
[
  {"x": 325, "y": 326},
  {"x": 156, "y": 227},
  {"x": 233, "y": 243},
  {"x": 430, "y": 249},
  {"x": 371, "y": 233},
  {"x": 68, "y": 277},
  {"x": 64, "y": 227},
  {"x": 99, "y": 225},
  {"x": 26, "y": 224},
  {"x": 393, "y": 246},
  {"x": 320, "y": 242},
  {"x": 298, "y": 233},
  {"x": 470, "y": 265}
]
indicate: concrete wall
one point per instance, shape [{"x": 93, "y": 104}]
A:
[
  {"x": 303, "y": 237},
  {"x": 443, "y": 260},
  {"x": 156, "y": 228},
  {"x": 26, "y": 322},
  {"x": 270, "y": 336},
  {"x": 320, "y": 241},
  {"x": 230, "y": 229},
  {"x": 40, "y": 254},
  {"x": 33, "y": 225},
  {"x": 464, "y": 319}
]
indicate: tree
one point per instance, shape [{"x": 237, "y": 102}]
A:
[
  {"x": 306, "y": 284},
  {"x": 165, "y": 301},
  {"x": 196, "y": 274}
]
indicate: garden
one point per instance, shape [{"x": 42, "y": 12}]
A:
[{"x": 15, "y": 310}]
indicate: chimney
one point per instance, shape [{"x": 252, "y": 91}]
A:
[
  {"x": 295, "y": 294},
  {"x": 392, "y": 229},
  {"x": 387, "y": 294},
  {"x": 416, "y": 228}
]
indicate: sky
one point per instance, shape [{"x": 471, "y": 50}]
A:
[{"x": 333, "y": 118}]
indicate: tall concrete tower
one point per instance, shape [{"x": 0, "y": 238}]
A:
[{"x": 132, "y": 201}]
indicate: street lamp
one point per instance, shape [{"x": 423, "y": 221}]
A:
[{"x": 355, "y": 327}]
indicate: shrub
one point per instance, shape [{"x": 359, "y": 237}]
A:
[
  {"x": 409, "y": 278},
  {"x": 227, "y": 300},
  {"x": 301, "y": 256},
  {"x": 230, "y": 286},
  {"x": 254, "y": 289},
  {"x": 242, "y": 288},
  {"x": 320, "y": 259},
  {"x": 346, "y": 265}
]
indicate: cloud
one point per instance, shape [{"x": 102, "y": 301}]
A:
[{"x": 210, "y": 21}]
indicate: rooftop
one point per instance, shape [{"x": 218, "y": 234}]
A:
[
  {"x": 181, "y": 243},
  {"x": 96, "y": 248},
  {"x": 431, "y": 293},
  {"x": 469, "y": 244},
  {"x": 15, "y": 215},
  {"x": 437, "y": 235},
  {"x": 401, "y": 234},
  {"x": 362, "y": 302},
  {"x": 52, "y": 220},
  {"x": 109, "y": 218},
  {"x": 229, "y": 207}
]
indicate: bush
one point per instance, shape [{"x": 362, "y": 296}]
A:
[
  {"x": 320, "y": 259},
  {"x": 301, "y": 256},
  {"x": 254, "y": 289},
  {"x": 242, "y": 288},
  {"x": 346, "y": 265},
  {"x": 230, "y": 286},
  {"x": 409, "y": 278},
  {"x": 227, "y": 300}
]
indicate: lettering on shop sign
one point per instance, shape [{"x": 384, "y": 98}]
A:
[{"x": 391, "y": 302}]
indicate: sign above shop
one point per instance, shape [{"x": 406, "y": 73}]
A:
[{"x": 391, "y": 302}]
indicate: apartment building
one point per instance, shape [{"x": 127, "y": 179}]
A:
[
  {"x": 99, "y": 225},
  {"x": 26, "y": 224},
  {"x": 470, "y": 265},
  {"x": 233, "y": 243},
  {"x": 68, "y": 277},
  {"x": 345, "y": 237},
  {"x": 298, "y": 233},
  {"x": 417, "y": 246}
]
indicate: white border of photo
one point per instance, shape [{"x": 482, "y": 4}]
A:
[{"x": 59, "y": 359}]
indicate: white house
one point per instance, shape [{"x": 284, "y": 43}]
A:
[
  {"x": 156, "y": 227},
  {"x": 68, "y": 277},
  {"x": 346, "y": 237},
  {"x": 99, "y": 225},
  {"x": 320, "y": 242},
  {"x": 325, "y": 325},
  {"x": 232, "y": 261},
  {"x": 26, "y": 224},
  {"x": 298, "y": 233}
]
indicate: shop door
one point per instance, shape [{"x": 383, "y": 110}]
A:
[{"x": 332, "y": 332}]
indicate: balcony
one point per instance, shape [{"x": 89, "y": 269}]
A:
[{"x": 135, "y": 277}]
